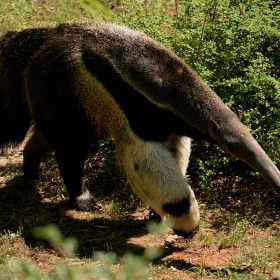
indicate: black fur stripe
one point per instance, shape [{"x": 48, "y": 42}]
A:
[
  {"x": 146, "y": 119},
  {"x": 178, "y": 208}
]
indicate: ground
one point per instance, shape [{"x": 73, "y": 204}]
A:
[{"x": 238, "y": 235}]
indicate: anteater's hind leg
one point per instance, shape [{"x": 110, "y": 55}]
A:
[
  {"x": 35, "y": 149},
  {"x": 71, "y": 164}
]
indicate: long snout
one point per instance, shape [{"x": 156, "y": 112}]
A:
[{"x": 264, "y": 165}]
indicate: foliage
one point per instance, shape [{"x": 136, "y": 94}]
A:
[
  {"x": 235, "y": 47},
  {"x": 20, "y": 14},
  {"x": 95, "y": 6}
]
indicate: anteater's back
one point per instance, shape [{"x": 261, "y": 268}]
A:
[{"x": 16, "y": 49}]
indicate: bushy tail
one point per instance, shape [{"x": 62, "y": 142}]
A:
[
  {"x": 14, "y": 118},
  {"x": 15, "y": 52}
]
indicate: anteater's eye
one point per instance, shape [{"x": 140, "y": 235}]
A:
[
  {"x": 231, "y": 147},
  {"x": 136, "y": 166}
]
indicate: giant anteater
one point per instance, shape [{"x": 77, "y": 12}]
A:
[{"x": 79, "y": 82}]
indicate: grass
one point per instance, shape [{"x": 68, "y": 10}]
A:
[
  {"x": 20, "y": 14},
  {"x": 239, "y": 235}
]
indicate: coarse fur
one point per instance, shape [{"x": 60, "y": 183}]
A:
[{"x": 80, "y": 82}]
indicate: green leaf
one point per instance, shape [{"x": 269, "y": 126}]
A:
[{"x": 93, "y": 6}]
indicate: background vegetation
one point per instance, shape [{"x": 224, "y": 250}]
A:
[{"x": 235, "y": 47}]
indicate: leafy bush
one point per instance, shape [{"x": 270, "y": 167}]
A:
[{"x": 234, "y": 45}]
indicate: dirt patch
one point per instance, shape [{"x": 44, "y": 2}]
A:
[
  {"x": 220, "y": 245},
  {"x": 13, "y": 156}
]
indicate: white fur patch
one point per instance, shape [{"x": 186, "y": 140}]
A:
[{"x": 158, "y": 180}]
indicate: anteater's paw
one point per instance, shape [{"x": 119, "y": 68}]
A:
[{"x": 87, "y": 203}]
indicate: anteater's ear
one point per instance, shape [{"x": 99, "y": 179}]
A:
[
  {"x": 213, "y": 128},
  {"x": 238, "y": 114}
]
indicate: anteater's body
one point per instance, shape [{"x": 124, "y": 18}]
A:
[{"x": 80, "y": 82}]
